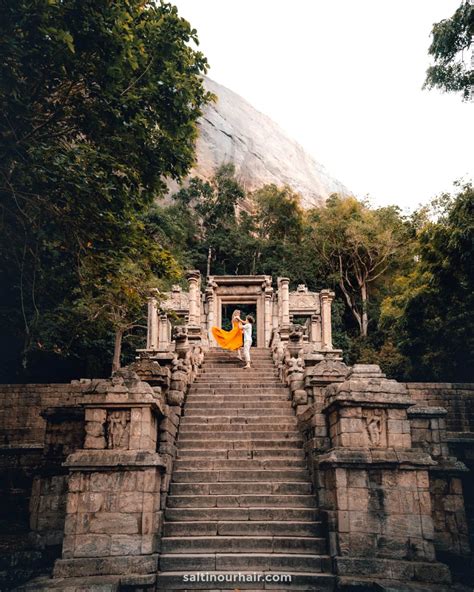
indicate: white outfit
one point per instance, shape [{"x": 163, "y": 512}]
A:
[{"x": 247, "y": 329}]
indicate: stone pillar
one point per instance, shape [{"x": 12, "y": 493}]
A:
[
  {"x": 194, "y": 320},
  {"x": 113, "y": 517},
  {"x": 152, "y": 328},
  {"x": 284, "y": 307},
  {"x": 316, "y": 336},
  {"x": 193, "y": 278},
  {"x": 268, "y": 316},
  {"x": 374, "y": 486},
  {"x": 164, "y": 337},
  {"x": 267, "y": 311},
  {"x": 211, "y": 309},
  {"x": 326, "y": 296}
]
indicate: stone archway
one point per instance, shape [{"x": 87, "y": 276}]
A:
[{"x": 241, "y": 290}]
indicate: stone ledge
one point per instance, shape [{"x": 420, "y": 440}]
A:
[
  {"x": 427, "y": 412},
  {"x": 122, "y": 566},
  {"x": 376, "y": 457},
  {"x": 389, "y": 569},
  {"x": 460, "y": 437},
  {"x": 106, "y": 459}
]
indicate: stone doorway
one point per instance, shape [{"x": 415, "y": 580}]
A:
[{"x": 249, "y": 308}]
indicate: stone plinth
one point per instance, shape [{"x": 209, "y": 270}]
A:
[
  {"x": 113, "y": 515},
  {"x": 374, "y": 485}
]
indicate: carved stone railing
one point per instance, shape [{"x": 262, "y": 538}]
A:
[{"x": 115, "y": 478}]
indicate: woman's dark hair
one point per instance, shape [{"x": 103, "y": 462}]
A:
[{"x": 250, "y": 319}]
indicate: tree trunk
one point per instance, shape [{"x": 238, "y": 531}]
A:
[
  {"x": 209, "y": 257},
  {"x": 117, "y": 349},
  {"x": 365, "y": 315},
  {"x": 352, "y": 306}
]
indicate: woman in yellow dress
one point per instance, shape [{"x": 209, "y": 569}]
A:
[{"x": 230, "y": 339}]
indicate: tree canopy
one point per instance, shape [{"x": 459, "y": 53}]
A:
[
  {"x": 451, "y": 40},
  {"x": 99, "y": 102}
]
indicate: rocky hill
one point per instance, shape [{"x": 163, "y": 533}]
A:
[{"x": 231, "y": 130}]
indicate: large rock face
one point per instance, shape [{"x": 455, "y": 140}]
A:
[{"x": 231, "y": 130}]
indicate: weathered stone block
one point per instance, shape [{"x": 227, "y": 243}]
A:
[{"x": 91, "y": 545}]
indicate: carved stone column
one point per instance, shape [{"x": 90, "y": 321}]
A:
[
  {"x": 316, "y": 335},
  {"x": 268, "y": 308},
  {"x": 164, "y": 337},
  {"x": 194, "y": 322},
  {"x": 152, "y": 328},
  {"x": 113, "y": 515},
  {"x": 193, "y": 278},
  {"x": 284, "y": 307},
  {"x": 210, "y": 314},
  {"x": 327, "y": 296}
]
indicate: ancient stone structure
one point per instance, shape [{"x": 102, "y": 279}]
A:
[
  {"x": 275, "y": 310},
  {"x": 184, "y": 463}
]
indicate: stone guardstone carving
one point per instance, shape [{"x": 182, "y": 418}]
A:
[
  {"x": 117, "y": 428},
  {"x": 376, "y": 427}
]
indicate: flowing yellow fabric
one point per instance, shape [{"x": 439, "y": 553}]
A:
[{"x": 228, "y": 339}]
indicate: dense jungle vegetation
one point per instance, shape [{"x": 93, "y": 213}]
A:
[{"x": 99, "y": 103}]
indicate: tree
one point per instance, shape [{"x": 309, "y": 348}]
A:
[
  {"x": 358, "y": 245},
  {"x": 99, "y": 102},
  {"x": 210, "y": 208},
  {"x": 452, "y": 38},
  {"x": 278, "y": 229},
  {"x": 116, "y": 297},
  {"x": 431, "y": 310}
]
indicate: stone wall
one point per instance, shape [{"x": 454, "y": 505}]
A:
[
  {"x": 457, "y": 398},
  {"x": 32, "y": 481},
  {"x": 21, "y": 423}
]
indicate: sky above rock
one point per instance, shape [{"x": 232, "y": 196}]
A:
[{"x": 344, "y": 79}]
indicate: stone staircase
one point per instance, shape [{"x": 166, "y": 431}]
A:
[{"x": 241, "y": 497}]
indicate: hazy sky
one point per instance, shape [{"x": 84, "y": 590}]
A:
[{"x": 344, "y": 79}]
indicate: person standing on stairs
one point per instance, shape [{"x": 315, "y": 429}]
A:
[
  {"x": 247, "y": 327},
  {"x": 231, "y": 340}
]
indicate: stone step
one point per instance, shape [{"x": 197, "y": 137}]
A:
[
  {"x": 246, "y": 404},
  {"x": 239, "y": 371},
  {"x": 240, "y": 475},
  {"x": 243, "y": 544},
  {"x": 248, "y": 527},
  {"x": 233, "y": 488},
  {"x": 174, "y": 581},
  {"x": 249, "y": 581},
  {"x": 234, "y": 435},
  {"x": 234, "y": 362},
  {"x": 240, "y": 501},
  {"x": 241, "y": 514},
  {"x": 236, "y": 398},
  {"x": 231, "y": 464},
  {"x": 240, "y": 561},
  {"x": 236, "y": 427},
  {"x": 237, "y": 383},
  {"x": 230, "y": 419},
  {"x": 218, "y": 370},
  {"x": 240, "y": 412},
  {"x": 239, "y": 390},
  {"x": 269, "y": 454},
  {"x": 223, "y": 444}
]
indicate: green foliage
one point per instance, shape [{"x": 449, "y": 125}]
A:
[
  {"x": 431, "y": 311},
  {"x": 210, "y": 209},
  {"x": 99, "y": 102},
  {"x": 358, "y": 246},
  {"x": 451, "y": 38}
]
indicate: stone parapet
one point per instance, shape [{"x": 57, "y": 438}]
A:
[
  {"x": 373, "y": 483},
  {"x": 113, "y": 512}
]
